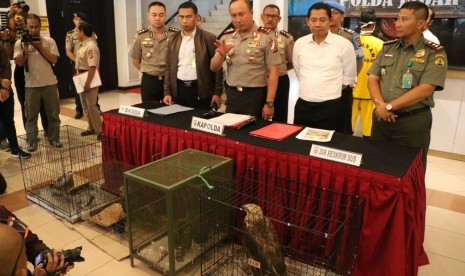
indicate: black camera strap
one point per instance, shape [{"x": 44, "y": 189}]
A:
[{"x": 51, "y": 64}]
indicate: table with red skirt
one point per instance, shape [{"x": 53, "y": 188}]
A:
[{"x": 391, "y": 177}]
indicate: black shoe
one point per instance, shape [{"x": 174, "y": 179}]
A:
[
  {"x": 55, "y": 144},
  {"x": 31, "y": 147},
  {"x": 78, "y": 115},
  {"x": 88, "y": 132},
  {"x": 19, "y": 153}
]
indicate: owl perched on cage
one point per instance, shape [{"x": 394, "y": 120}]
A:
[
  {"x": 64, "y": 182},
  {"x": 261, "y": 243}
]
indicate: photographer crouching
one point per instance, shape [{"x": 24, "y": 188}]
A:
[{"x": 18, "y": 245}]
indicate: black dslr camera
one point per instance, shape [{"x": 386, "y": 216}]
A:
[
  {"x": 22, "y": 5},
  {"x": 27, "y": 38},
  {"x": 71, "y": 256}
]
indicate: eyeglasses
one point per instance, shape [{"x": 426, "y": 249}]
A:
[{"x": 270, "y": 16}]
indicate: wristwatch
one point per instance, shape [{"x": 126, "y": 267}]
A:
[
  {"x": 270, "y": 104},
  {"x": 389, "y": 107}
]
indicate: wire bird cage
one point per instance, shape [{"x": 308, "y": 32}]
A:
[
  {"x": 267, "y": 225},
  {"x": 67, "y": 181},
  {"x": 163, "y": 208}
]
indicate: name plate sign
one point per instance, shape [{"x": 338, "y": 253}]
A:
[
  {"x": 342, "y": 156},
  {"x": 207, "y": 126},
  {"x": 132, "y": 111}
]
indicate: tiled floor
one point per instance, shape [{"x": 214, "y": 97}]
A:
[{"x": 445, "y": 214}]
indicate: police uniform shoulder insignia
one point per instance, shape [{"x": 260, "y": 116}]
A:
[
  {"x": 144, "y": 30},
  {"x": 349, "y": 31},
  {"x": 171, "y": 29},
  {"x": 389, "y": 42},
  {"x": 264, "y": 30},
  {"x": 433, "y": 45},
  {"x": 229, "y": 31},
  {"x": 284, "y": 33}
]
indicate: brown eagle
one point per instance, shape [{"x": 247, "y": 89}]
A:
[{"x": 261, "y": 243}]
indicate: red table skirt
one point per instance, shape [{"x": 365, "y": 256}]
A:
[{"x": 392, "y": 233}]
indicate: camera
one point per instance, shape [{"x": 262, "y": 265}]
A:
[
  {"x": 22, "y": 5},
  {"x": 27, "y": 38},
  {"x": 71, "y": 256}
]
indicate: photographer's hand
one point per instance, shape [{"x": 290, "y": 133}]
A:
[{"x": 55, "y": 265}]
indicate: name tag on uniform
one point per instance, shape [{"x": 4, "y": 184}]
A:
[
  {"x": 407, "y": 80},
  {"x": 132, "y": 111}
]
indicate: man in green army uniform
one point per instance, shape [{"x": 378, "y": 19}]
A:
[
  {"x": 249, "y": 51},
  {"x": 148, "y": 52},
  {"x": 285, "y": 42},
  {"x": 402, "y": 81}
]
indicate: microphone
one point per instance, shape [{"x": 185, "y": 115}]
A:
[
  {"x": 211, "y": 113},
  {"x": 247, "y": 123}
]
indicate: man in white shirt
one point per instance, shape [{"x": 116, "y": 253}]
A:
[
  {"x": 427, "y": 34},
  {"x": 324, "y": 63}
]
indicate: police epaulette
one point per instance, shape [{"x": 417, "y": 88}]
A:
[
  {"x": 433, "y": 45},
  {"x": 171, "y": 29},
  {"x": 391, "y": 41},
  {"x": 229, "y": 31},
  {"x": 144, "y": 30},
  {"x": 352, "y": 32},
  {"x": 264, "y": 30},
  {"x": 284, "y": 33}
]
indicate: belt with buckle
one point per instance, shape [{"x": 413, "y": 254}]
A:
[
  {"x": 412, "y": 111},
  {"x": 187, "y": 83},
  {"x": 154, "y": 76},
  {"x": 240, "y": 88}
]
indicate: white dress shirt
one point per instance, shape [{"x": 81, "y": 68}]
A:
[
  {"x": 187, "y": 64},
  {"x": 427, "y": 34},
  {"x": 323, "y": 69}
]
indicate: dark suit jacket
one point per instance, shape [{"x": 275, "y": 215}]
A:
[{"x": 208, "y": 82}]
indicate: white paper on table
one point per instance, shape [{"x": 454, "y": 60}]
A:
[
  {"x": 169, "y": 109},
  {"x": 231, "y": 119},
  {"x": 80, "y": 80},
  {"x": 315, "y": 134}
]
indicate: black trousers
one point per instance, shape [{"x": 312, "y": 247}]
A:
[
  {"x": 347, "y": 99},
  {"x": 324, "y": 115},
  {"x": 189, "y": 96},
  {"x": 151, "y": 88},
  {"x": 249, "y": 101},
  {"x": 20, "y": 85},
  {"x": 7, "y": 111},
  {"x": 281, "y": 100}
]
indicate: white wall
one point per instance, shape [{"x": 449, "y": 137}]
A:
[{"x": 448, "y": 131}]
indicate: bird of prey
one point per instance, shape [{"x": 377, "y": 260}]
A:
[
  {"x": 64, "y": 182},
  {"x": 261, "y": 243}
]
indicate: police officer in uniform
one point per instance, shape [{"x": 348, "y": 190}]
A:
[
  {"x": 338, "y": 12},
  {"x": 249, "y": 51},
  {"x": 285, "y": 42},
  {"x": 148, "y": 52},
  {"x": 72, "y": 47},
  {"x": 88, "y": 60},
  {"x": 402, "y": 81}
]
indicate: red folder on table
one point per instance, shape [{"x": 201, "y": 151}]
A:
[{"x": 275, "y": 131}]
